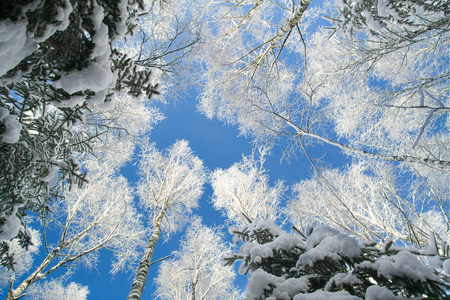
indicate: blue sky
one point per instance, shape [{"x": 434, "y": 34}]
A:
[{"x": 219, "y": 146}]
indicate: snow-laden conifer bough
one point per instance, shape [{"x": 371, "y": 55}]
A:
[
  {"x": 325, "y": 264},
  {"x": 58, "y": 64}
]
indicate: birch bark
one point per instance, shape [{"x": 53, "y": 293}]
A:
[{"x": 137, "y": 287}]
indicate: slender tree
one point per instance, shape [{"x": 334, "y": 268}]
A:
[
  {"x": 366, "y": 200},
  {"x": 243, "y": 191},
  {"x": 194, "y": 271},
  {"x": 98, "y": 216},
  {"x": 170, "y": 185},
  {"x": 246, "y": 56}
]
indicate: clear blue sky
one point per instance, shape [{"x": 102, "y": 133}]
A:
[{"x": 219, "y": 146}]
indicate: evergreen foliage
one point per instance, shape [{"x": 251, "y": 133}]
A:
[
  {"x": 328, "y": 264},
  {"x": 372, "y": 15},
  {"x": 42, "y": 129}
]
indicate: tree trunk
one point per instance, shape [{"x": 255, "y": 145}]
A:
[
  {"x": 442, "y": 164},
  {"x": 287, "y": 27},
  {"x": 293, "y": 21},
  {"x": 17, "y": 293},
  {"x": 138, "y": 284},
  {"x": 194, "y": 282}
]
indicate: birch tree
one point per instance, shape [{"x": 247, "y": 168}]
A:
[
  {"x": 170, "y": 185},
  {"x": 372, "y": 200},
  {"x": 246, "y": 56},
  {"x": 195, "y": 271},
  {"x": 281, "y": 100},
  {"x": 243, "y": 193},
  {"x": 383, "y": 98},
  {"x": 96, "y": 217},
  {"x": 166, "y": 40},
  {"x": 384, "y": 89}
]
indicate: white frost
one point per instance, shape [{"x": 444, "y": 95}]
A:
[
  {"x": 57, "y": 289},
  {"x": 23, "y": 258}
]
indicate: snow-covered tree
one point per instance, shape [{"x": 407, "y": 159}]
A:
[
  {"x": 370, "y": 199},
  {"x": 58, "y": 63},
  {"x": 166, "y": 40},
  {"x": 382, "y": 90},
  {"x": 412, "y": 34},
  {"x": 262, "y": 98},
  {"x": 389, "y": 104},
  {"x": 383, "y": 98},
  {"x": 243, "y": 191},
  {"x": 170, "y": 185},
  {"x": 195, "y": 271},
  {"x": 325, "y": 264},
  {"x": 244, "y": 59},
  {"x": 97, "y": 216},
  {"x": 57, "y": 290},
  {"x": 386, "y": 19}
]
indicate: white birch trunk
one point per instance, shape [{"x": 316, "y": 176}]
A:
[
  {"x": 139, "y": 281},
  {"x": 442, "y": 164},
  {"x": 296, "y": 17},
  {"x": 36, "y": 275}
]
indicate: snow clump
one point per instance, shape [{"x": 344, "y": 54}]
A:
[{"x": 11, "y": 131}]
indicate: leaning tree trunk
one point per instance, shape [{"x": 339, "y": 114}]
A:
[
  {"x": 138, "y": 284},
  {"x": 18, "y": 292},
  {"x": 287, "y": 27},
  {"x": 442, "y": 164}
]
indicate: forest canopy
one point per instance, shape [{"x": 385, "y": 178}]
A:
[{"x": 84, "y": 82}]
